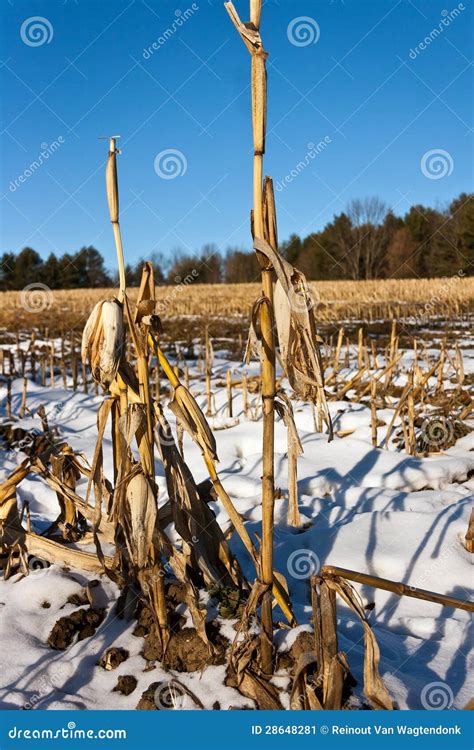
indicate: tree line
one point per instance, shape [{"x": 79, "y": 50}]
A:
[{"x": 366, "y": 241}]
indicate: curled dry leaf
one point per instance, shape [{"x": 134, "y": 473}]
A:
[
  {"x": 102, "y": 340},
  {"x": 194, "y": 520},
  {"x": 296, "y": 328},
  {"x": 186, "y": 409},
  {"x": 303, "y": 695}
]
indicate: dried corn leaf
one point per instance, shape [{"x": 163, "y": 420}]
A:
[
  {"x": 111, "y": 184},
  {"x": 243, "y": 661},
  {"x": 53, "y": 552},
  {"x": 179, "y": 563},
  {"x": 303, "y": 696},
  {"x": 285, "y": 411},
  {"x": 106, "y": 528},
  {"x": 298, "y": 341},
  {"x": 186, "y": 409},
  {"x": 11, "y": 482},
  {"x": 97, "y": 480},
  {"x": 194, "y": 520},
  {"x": 269, "y": 214},
  {"x": 258, "y": 590},
  {"x": 65, "y": 469},
  {"x": 248, "y": 32},
  {"x": 146, "y": 294},
  {"x": 11, "y": 530},
  {"x": 374, "y": 687},
  {"x": 254, "y": 685}
]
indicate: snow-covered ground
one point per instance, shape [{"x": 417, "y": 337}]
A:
[{"x": 373, "y": 510}]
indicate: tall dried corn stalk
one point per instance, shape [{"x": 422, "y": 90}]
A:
[
  {"x": 134, "y": 503},
  {"x": 251, "y": 38},
  {"x": 285, "y": 307}
]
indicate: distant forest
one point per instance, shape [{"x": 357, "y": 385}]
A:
[{"x": 366, "y": 241}]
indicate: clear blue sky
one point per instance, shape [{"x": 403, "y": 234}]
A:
[{"x": 380, "y": 108}]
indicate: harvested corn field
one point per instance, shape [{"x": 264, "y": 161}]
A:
[
  {"x": 192, "y": 305},
  {"x": 389, "y": 497},
  {"x": 244, "y": 497}
]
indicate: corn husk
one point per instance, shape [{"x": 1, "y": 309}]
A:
[
  {"x": 102, "y": 340},
  {"x": 140, "y": 518}
]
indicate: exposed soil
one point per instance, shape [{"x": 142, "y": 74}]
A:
[
  {"x": 186, "y": 651},
  {"x": 82, "y": 623},
  {"x": 126, "y": 684}
]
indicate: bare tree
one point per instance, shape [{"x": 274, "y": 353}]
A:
[{"x": 367, "y": 217}]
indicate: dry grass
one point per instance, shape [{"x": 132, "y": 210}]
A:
[{"x": 421, "y": 299}]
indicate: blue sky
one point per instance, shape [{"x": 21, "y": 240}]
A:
[{"x": 350, "y": 79}]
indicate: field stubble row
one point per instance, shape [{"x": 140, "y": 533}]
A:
[{"x": 416, "y": 301}]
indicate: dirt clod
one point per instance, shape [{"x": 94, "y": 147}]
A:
[
  {"x": 303, "y": 643},
  {"x": 144, "y": 621},
  {"x": 113, "y": 657},
  {"x": 78, "y": 598},
  {"x": 186, "y": 651},
  {"x": 82, "y": 622},
  {"x": 147, "y": 701},
  {"x": 126, "y": 684}
]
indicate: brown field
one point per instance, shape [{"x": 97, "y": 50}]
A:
[{"x": 226, "y": 307}]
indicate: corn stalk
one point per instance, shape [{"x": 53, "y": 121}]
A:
[
  {"x": 139, "y": 328},
  {"x": 250, "y": 34}
]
